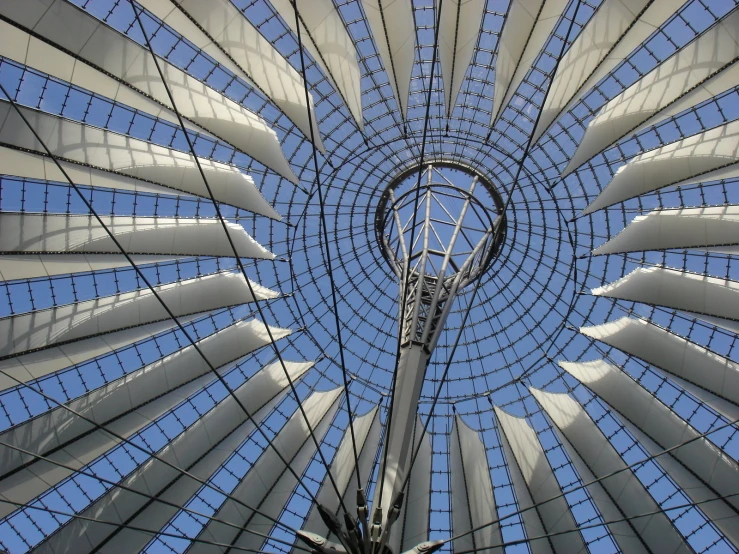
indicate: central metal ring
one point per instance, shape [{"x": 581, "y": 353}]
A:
[{"x": 454, "y": 215}]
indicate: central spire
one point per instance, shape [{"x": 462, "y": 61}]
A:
[
  {"x": 438, "y": 236},
  {"x": 439, "y": 226}
]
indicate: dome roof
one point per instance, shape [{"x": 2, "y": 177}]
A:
[{"x": 200, "y": 274}]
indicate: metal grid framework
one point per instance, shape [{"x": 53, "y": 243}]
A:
[{"x": 524, "y": 317}]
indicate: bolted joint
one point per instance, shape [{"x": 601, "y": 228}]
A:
[
  {"x": 318, "y": 544},
  {"x": 426, "y": 547},
  {"x": 376, "y": 527},
  {"x": 394, "y": 513},
  {"x": 362, "y": 511}
]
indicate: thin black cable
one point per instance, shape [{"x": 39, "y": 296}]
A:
[
  {"x": 407, "y": 265},
  {"x": 324, "y": 227},
  {"x": 248, "y": 282},
  {"x": 597, "y": 480},
  {"x": 140, "y": 274},
  {"x": 131, "y": 527},
  {"x": 496, "y": 234},
  {"x": 685, "y": 507},
  {"x": 141, "y": 449},
  {"x": 119, "y": 485}
]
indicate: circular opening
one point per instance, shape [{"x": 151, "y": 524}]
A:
[{"x": 445, "y": 218}]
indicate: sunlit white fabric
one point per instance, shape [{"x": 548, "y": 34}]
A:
[
  {"x": 541, "y": 484},
  {"x": 530, "y": 518},
  {"x": 526, "y": 30},
  {"x": 622, "y": 532},
  {"x": 226, "y": 26},
  {"x": 688, "y": 228},
  {"x": 707, "y": 156},
  {"x": 30, "y": 266},
  {"x": 324, "y": 36},
  {"x": 168, "y": 12},
  {"x": 29, "y": 482},
  {"x": 367, "y": 434},
  {"x": 18, "y": 45},
  {"x": 458, "y": 31},
  {"x": 59, "y": 426},
  {"x": 711, "y": 473},
  {"x": 614, "y": 32},
  {"x": 721, "y": 82},
  {"x": 105, "y": 314},
  {"x": 35, "y": 365},
  {"x": 156, "y": 515},
  {"x": 674, "y": 354},
  {"x": 472, "y": 491},
  {"x": 721, "y": 512},
  {"x": 101, "y": 46},
  {"x": 278, "y": 498},
  {"x": 203, "y": 438},
  {"x": 393, "y": 28},
  {"x": 687, "y": 68},
  {"x": 77, "y": 142},
  {"x": 628, "y": 493},
  {"x": 412, "y": 526},
  {"x": 697, "y": 294},
  {"x": 267, "y": 481},
  {"x": 27, "y": 233},
  {"x": 38, "y": 166}
]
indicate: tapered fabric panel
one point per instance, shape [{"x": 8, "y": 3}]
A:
[
  {"x": 717, "y": 472},
  {"x": 686, "y": 69},
  {"x": 106, "y": 314},
  {"x": 532, "y": 523},
  {"x": 723, "y": 407},
  {"x": 715, "y": 300},
  {"x": 688, "y": 228},
  {"x": 393, "y": 29},
  {"x": 526, "y": 30},
  {"x": 93, "y": 42},
  {"x": 458, "y": 32},
  {"x": 20, "y": 46},
  {"x": 255, "y": 487},
  {"x": 473, "y": 503},
  {"x": 32, "y": 266},
  {"x": 541, "y": 483},
  {"x": 717, "y": 85},
  {"x": 35, "y": 365},
  {"x": 628, "y": 493},
  {"x": 84, "y": 144},
  {"x": 672, "y": 353},
  {"x": 707, "y": 156},
  {"x": 39, "y": 166},
  {"x": 324, "y": 36},
  {"x": 36, "y": 233},
  {"x": 156, "y": 515},
  {"x": 226, "y": 26},
  {"x": 124, "y": 405},
  {"x": 283, "y": 489},
  {"x": 27, "y": 482},
  {"x": 59, "y": 426},
  {"x": 367, "y": 434},
  {"x": 411, "y": 529},
  {"x": 168, "y": 12},
  {"x": 202, "y": 438},
  {"x": 722, "y": 513},
  {"x": 617, "y": 29},
  {"x": 622, "y": 532}
]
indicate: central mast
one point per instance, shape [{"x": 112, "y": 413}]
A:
[
  {"x": 438, "y": 236},
  {"x": 439, "y": 227}
]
